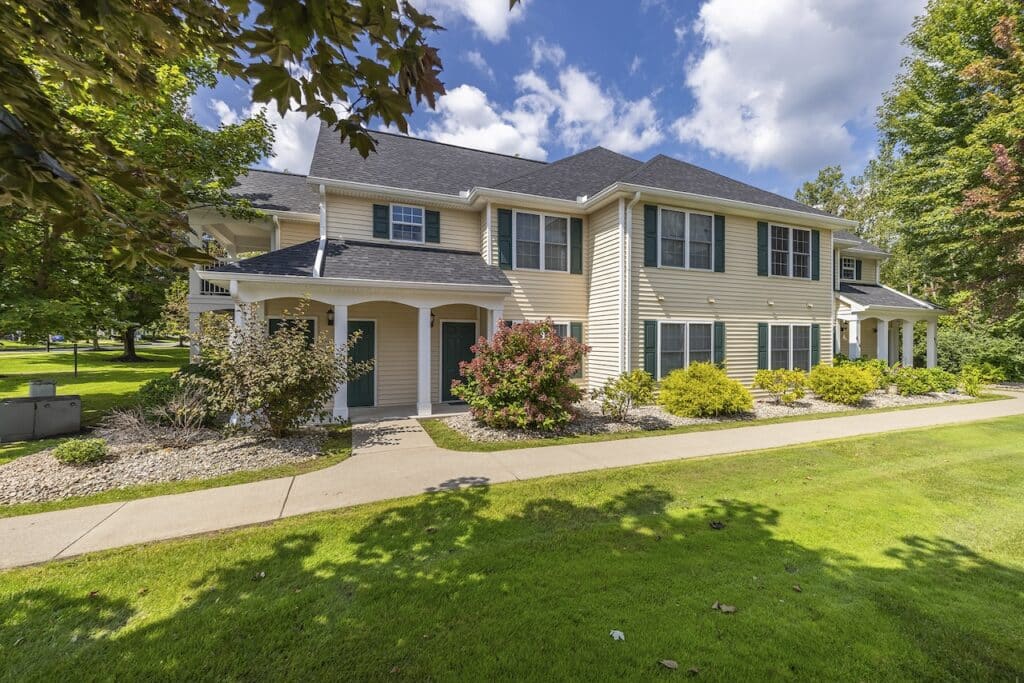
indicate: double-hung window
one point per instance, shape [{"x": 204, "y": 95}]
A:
[
  {"x": 686, "y": 240},
  {"x": 790, "y": 347},
  {"x": 849, "y": 268},
  {"x": 790, "y": 252},
  {"x": 406, "y": 223},
  {"x": 681, "y": 344},
  {"x": 541, "y": 242}
]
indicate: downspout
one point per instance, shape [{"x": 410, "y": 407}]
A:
[
  {"x": 275, "y": 235},
  {"x": 318, "y": 264},
  {"x": 628, "y": 281},
  {"x": 488, "y": 239},
  {"x": 622, "y": 284}
]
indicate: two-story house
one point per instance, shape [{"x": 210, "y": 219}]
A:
[{"x": 427, "y": 246}]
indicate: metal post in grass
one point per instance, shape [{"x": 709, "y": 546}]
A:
[{"x": 75, "y": 347}]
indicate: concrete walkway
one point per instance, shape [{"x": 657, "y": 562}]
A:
[{"x": 396, "y": 458}]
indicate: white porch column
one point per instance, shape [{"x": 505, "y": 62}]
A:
[
  {"x": 854, "y": 345},
  {"x": 882, "y": 350},
  {"x": 493, "y": 316},
  {"x": 340, "y": 336},
  {"x": 193, "y": 336},
  {"x": 931, "y": 356},
  {"x": 423, "y": 362},
  {"x": 908, "y": 344}
]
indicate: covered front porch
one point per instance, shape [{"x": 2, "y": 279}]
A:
[{"x": 874, "y": 321}]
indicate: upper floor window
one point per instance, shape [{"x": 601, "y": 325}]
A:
[
  {"x": 682, "y": 343},
  {"x": 685, "y": 240},
  {"x": 789, "y": 347},
  {"x": 540, "y": 241},
  {"x": 849, "y": 268},
  {"x": 406, "y": 223},
  {"x": 790, "y": 252}
]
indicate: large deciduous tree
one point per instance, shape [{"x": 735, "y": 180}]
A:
[{"x": 345, "y": 62}]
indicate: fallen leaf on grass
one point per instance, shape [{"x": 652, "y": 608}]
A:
[
  {"x": 693, "y": 670},
  {"x": 723, "y": 608},
  {"x": 143, "y": 591},
  {"x": 94, "y": 594},
  {"x": 716, "y": 524},
  {"x": 669, "y": 663},
  {"x": 617, "y": 635},
  {"x": 797, "y": 588},
  {"x": 259, "y": 576}
]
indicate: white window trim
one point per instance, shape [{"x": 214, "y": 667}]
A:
[
  {"x": 686, "y": 239},
  {"x": 842, "y": 268},
  {"x": 391, "y": 223},
  {"x": 810, "y": 344},
  {"x": 686, "y": 345},
  {"x": 542, "y": 234},
  {"x": 790, "y": 252}
]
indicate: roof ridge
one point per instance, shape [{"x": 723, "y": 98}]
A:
[
  {"x": 267, "y": 170},
  {"x": 552, "y": 164},
  {"x": 449, "y": 144}
]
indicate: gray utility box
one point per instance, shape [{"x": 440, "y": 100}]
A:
[{"x": 22, "y": 419}]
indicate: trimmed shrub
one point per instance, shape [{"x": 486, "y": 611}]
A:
[
  {"x": 620, "y": 394},
  {"x": 80, "y": 451},
  {"x": 703, "y": 390},
  {"x": 846, "y": 384},
  {"x": 522, "y": 378},
  {"x": 879, "y": 369},
  {"x": 785, "y": 386},
  {"x": 920, "y": 381},
  {"x": 974, "y": 377},
  {"x": 157, "y": 392}
]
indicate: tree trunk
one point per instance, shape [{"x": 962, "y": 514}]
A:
[
  {"x": 181, "y": 341},
  {"x": 128, "y": 339},
  {"x": 95, "y": 341}
]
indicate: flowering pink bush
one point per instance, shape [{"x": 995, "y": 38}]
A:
[{"x": 522, "y": 378}]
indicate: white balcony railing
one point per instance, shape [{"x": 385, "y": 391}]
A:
[{"x": 200, "y": 287}]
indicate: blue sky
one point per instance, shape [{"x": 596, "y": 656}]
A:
[{"x": 763, "y": 91}]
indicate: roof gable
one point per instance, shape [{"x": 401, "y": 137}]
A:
[{"x": 583, "y": 174}]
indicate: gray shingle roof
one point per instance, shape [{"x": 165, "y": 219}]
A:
[
  {"x": 414, "y": 164},
  {"x": 672, "y": 174},
  {"x": 375, "y": 261},
  {"x": 586, "y": 173},
  {"x": 862, "y": 244},
  {"x": 876, "y": 295},
  {"x": 277, "y": 191}
]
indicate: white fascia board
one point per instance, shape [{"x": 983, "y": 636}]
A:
[
  {"x": 224, "y": 276},
  {"x": 370, "y": 189},
  {"x": 932, "y": 307}
]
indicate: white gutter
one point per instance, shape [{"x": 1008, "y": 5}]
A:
[
  {"x": 627, "y": 257},
  {"x": 318, "y": 262},
  {"x": 222, "y": 276}
]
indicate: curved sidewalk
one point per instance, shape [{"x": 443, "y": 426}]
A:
[{"x": 396, "y": 458}]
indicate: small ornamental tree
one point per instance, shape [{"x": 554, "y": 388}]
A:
[
  {"x": 522, "y": 378},
  {"x": 281, "y": 380},
  {"x": 785, "y": 386},
  {"x": 620, "y": 394}
]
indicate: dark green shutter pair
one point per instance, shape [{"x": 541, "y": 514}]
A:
[
  {"x": 651, "y": 346},
  {"x": 762, "y": 345},
  {"x": 762, "y": 251},
  {"x": 382, "y": 224},
  {"x": 576, "y": 332},
  {"x": 651, "y": 239},
  {"x": 505, "y": 242},
  {"x": 859, "y": 274}
]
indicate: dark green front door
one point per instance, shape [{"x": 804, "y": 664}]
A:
[
  {"x": 456, "y": 340},
  {"x": 360, "y": 392}
]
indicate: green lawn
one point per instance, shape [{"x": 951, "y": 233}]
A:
[{"x": 908, "y": 550}]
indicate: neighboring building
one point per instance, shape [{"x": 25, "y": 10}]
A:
[{"x": 427, "y": 246}]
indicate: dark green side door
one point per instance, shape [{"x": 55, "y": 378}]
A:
[
  {"x": 456, "y": 340},
  {"x": 361, "y": 391}
]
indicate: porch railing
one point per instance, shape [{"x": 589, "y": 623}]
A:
[{"x": 210, "y": 289}]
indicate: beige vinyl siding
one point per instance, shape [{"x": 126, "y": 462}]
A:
[
  {"x": 395, "y": 366},
  {"x": 868, "y": 270},
  {"x": 352, "y": 218},
  {"x": 297, "y": 232},
  {"x": 604, "y": 277},
  {"x": 741, "y": 297}
]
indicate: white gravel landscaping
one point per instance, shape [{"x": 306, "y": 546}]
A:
[
  {"x": 136, "y": 459},
  {"x": 646, "y": 418}
]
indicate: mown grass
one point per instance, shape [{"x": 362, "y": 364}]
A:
[
  {"x": 337, "y": 448},
  {"x": 453, "y": 440},
  {"x": 893, "y": 557}
]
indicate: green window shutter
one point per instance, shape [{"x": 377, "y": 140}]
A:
[
  {"x": 650, "y": 235},
  {"x": 576, "y": 332},
  {"x": 719, "y": 244},
  {"x": 576, "y": 245},
  {"x": 762, "y": 346},
  {"x": 762, "y": 248},
  {"x": 381, "y": 224},
  {"x": 815, "y": 344},
  {"x": 651, "y": 347},
  {"x": 719, "y": 344},
  {"x": 815, "y": 254},
  {"x": 859, "y": 270},
  {"x": 432, "y": 222},
  {"x": 505, "y": 238}
]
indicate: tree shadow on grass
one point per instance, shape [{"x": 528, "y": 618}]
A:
[{"x": 450, "y": 588}]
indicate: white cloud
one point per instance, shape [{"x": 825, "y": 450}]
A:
[
  {"x": 294, "y": 134},
  {"x": 225, "y": 113},
  {"x": 680, "y": 30},
  {"x": 543, "y": 51},
  {"x": 476, "y": 59},
  {"x": 780, "y": 83},
  {"x": 635, "y": 65},
  {"x": 470, "y": 119},
  {"x": 490, "y": 17}
]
